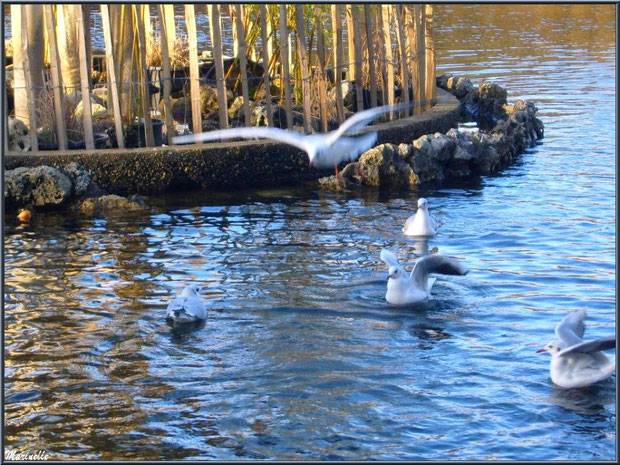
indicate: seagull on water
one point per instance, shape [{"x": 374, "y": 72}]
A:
[
  {"x": 576, "y": 363},
  {"x": 403, "y": 289},
  {"x": 188, "y": 308},
  {"x": 324, "y": 150},
  {"x": 420, "y": 223}
]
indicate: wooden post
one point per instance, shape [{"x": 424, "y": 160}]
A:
[
  {"x": 242, "y": 48},
  {"x": 351, "y": 46},
  {"x": 59, "y": 108},
  {"x": 170, "y": 25},
  {"x": 404, "y": 73},
  {"x": 338, "y": 54},
  {"x": 430, "y": 56},
  {"x": 382, "y": 60},
  {"x": 268, "y": 30},
  {"x": 87, "y": 117},
  {"x": 144, "y": 85},
  {"x": 420, "y": 54},
  {"x": 389, "y": 57},
  {"x": 194, "y": 83},
  {"x": 371, "y": 56},
  {"x": 411, "y": 19},
  {"x": 32, "y": 128},
  {"x": 111, "y": 72},
  {"x": 357, "y": 44},
  {"x": 148, "y": 28},
  {"x": 166, "y": 76},
  {"x": 234, "y": 16},
  {"x": 266, "y": 54},
  {"x": 216, "y": 40},
  {"x": 322, "y": 77},
  {"x": 284, "y": 51},
  {"x": 303, "y": 65}
]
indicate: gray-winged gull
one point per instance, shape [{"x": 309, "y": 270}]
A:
[
  {"x": 405, "y": 289},
  {"x": 420, "y": 223},
  {"x": 577, "y": 363},
  {"x": 188, "y": 308}
]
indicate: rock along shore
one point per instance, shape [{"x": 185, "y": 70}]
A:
[{"x": 504, "y": 132}]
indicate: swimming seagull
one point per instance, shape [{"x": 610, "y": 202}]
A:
[
  {"x": 405, "y": 289},
  {"x": 420, "y": 223},
  {"x": 577, "y": 363},
  {"x": 324, "y": 150},
  {"x": 188, "y": 308}
]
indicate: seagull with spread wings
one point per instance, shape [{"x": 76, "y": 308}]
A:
[{"x": 324, "y": 150}]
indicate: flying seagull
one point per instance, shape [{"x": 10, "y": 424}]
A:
[
  {"x": 576, "y": 363},
  {"x": 188, "y": 308},
  {"x": 403, "y": 289},
  {"x": 420, "y": 223},
  {"x": 324, "y": 150}
]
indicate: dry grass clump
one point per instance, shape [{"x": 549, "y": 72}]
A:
[
  {"x": 179, "y": 55},
  {"x": 46, "y": 118}
]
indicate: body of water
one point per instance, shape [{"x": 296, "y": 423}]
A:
[{"x": 301, "y": 356}]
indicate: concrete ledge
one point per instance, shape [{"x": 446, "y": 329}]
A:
[{"x": 223, "y": 165}]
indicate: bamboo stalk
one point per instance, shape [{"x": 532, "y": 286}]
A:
[
  {"x": 216, "y": 40},
  {"x": 322, "y": 77},
  {"x": 357, "y": 45},
  {"x": 165, "y": 67},
  {"x": 242, "y": 48},
  {"x": 371, "y": 56},
  {"x": 404, "y": 73},
  {"x": 87, "y": 117},
  {"x": 59, "y": 108},
  {"x": 338, "y": 59},
  {"x": 303, "y": 65},
  {"x": 284, "y": 53},
  {"x": 430, "y": 56},
  {"x": 111, "y": 73},
  {"x": 34, "y": 141},
  {"x": 144, "y": 85},
  {"x": 266, "y": 54}
]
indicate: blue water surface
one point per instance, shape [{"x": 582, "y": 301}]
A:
[{"x": 301, "y": 357}]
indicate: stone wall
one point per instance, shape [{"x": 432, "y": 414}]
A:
[{"x": 222, "y": 165}]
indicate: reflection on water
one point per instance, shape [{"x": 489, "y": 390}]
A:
[{"x": 301, "y": 357}]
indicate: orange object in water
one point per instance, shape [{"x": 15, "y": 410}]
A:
[{"x": 24, "y": 216}]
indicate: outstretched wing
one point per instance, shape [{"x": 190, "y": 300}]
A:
[
  {"x": 390, "y": 259},
  {"x": 587, "y": 347},
  {"x": 435, "y": 264},
  {"x": 282, "y": 135},
  {"x": 570, "y": 329},
  {"x": 360, "y": 119}
]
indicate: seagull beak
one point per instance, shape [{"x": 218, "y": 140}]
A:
[
  {"x": 541, "y": 350},
  {"x": 389, "y": 276}
]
